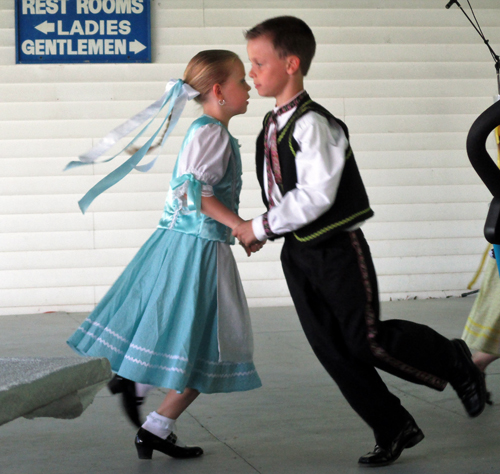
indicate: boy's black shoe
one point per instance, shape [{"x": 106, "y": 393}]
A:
[
  {"x": 471, "y": 386},
  {"x": 408, "y": 437}
]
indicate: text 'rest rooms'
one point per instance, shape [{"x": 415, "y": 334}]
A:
[{"x": 85, "y": 27}]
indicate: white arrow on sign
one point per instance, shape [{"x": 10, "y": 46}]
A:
[
  {"x": 46, "y": 27},
  {"x": 136, "y": 46}
]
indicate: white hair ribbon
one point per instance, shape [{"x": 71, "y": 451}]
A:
[{"x": 177, "y": 93}]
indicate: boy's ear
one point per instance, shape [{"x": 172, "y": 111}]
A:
[{"x": 292, "y": 64}]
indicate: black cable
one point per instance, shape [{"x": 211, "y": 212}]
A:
[
  {"x": 495, "y": 56},
  {"x": 477, "y": 23}
]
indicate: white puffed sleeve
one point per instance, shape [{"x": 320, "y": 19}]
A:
[{"x": 206, "y": 156}]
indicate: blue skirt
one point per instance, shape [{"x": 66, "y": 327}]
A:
[{"x": 158, "y": 323}]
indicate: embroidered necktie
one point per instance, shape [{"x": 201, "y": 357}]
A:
[{"x": 271, "y": 147}]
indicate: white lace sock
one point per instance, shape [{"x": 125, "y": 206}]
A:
[{"x": 160, "y": 426}]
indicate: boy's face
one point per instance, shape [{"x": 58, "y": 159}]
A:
[{"x": 269, "y": 72}]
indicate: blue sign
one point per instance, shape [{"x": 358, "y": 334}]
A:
[{"x": 83, "y": 31}]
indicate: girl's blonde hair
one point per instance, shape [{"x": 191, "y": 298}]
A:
[{"x": 207, "y": 68}]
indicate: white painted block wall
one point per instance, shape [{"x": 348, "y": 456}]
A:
[{"x": 409, "y": 78}]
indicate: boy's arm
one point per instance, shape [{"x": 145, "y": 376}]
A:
[{"x": 319, "y": 164}]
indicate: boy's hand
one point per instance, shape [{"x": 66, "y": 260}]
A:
[
  {"x": 256, "y": 247},
  {"x": 253, "y": 248},
  {"x": 244, "y": 233}
]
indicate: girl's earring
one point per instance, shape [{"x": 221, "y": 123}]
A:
[{"x": 222, "y": 102}]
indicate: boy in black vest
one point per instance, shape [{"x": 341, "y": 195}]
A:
[{"x": 317, "y": 201}]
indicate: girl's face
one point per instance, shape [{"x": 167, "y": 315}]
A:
[{"x": 235, "y": 91}]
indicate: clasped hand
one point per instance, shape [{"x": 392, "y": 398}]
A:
[{"x": 244, "y": 233}]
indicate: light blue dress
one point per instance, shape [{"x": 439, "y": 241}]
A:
[{"x": 177, "y": 316}]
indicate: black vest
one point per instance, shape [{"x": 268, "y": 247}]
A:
[{"x": 351, "y": 203}]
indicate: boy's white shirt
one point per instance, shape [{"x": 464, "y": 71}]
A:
[{"x": 319, "y": 164}]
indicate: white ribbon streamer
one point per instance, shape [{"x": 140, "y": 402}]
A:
[
  {"x": 178, "y": 93},
  {"x": 91, "y": 156}
]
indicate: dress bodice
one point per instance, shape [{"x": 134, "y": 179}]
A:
[{"x": 183, "y": 205}]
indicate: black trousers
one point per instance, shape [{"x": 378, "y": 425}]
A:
[{"x": 334, "y": 288}]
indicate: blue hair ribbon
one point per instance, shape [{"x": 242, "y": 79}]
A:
[{"x": 177, "y": 93}]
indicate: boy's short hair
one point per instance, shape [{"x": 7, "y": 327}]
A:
[{"x": 290, "y": 36}]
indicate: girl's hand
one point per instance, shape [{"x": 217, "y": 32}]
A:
[{"x": 244, "y": 233}]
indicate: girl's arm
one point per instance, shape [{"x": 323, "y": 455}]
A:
[
  {"x": 212, "y": 207},
  {"x": 206, "y": 157}
]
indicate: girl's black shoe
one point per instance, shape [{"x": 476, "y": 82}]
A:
[
  {"x": 130, "y": 402},
  {"x": 146, "y": 442}
]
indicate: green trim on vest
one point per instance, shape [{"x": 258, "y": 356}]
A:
[
  {"x": 351, "y": 205},
  {"x": 304, "y": 108},
  {"x": 330, "y": 227},
  {"x": 301, "y": 111}
]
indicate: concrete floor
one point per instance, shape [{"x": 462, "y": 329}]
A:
[{"x": 296, "y": 423}]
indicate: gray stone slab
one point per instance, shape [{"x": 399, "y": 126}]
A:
[{"x": 58, "y": 387}]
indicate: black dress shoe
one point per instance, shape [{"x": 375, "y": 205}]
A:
[
  {"x": 409, "y": 436},
  {"x": 130, "y": 402},
  {"x": 470, "y": 386},
  {"x": 146, "y": 442}
]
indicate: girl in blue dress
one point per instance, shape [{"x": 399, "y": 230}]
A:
[{"x": 177, "y": 316}]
